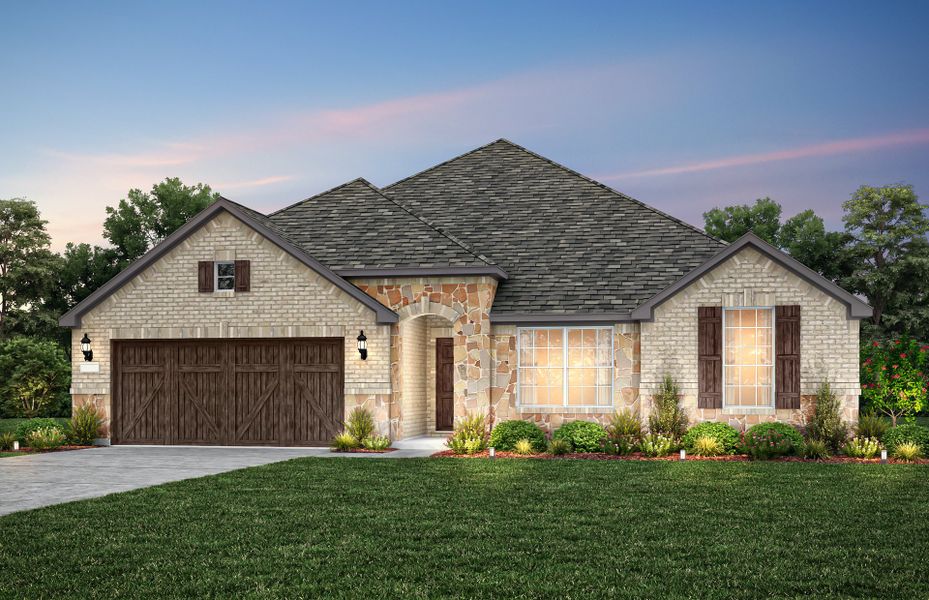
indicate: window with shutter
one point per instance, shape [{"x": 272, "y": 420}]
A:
[
  {"x": 787, "y": 356},
  {"x": 748, "y": 357},
  {"x": 242, "y": 275},
  {"x": 709, "y": 355},
  {"x": 205, "y": 276}
]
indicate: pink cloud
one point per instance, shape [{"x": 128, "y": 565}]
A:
[
  {"x": 253, "y": 182},
  {"x": 846, "y": 146}
]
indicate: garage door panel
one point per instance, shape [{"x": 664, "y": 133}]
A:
[
  {"x": 257, "y": 407},
  {"x": 199, "y": 415}
]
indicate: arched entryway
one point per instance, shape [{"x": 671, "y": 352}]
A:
[{"x": 427, "y": 369}]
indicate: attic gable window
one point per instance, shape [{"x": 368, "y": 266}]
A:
[{"x": 224, "y": 275}]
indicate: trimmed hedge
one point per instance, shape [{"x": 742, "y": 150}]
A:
[
  {"x": 25, "y": 429},
  {"x": 790, "y": 440},
  {"x": 723, "y": 433},
  {"x": 505, "y": 435},
  {"x": 909, "y": 432},
  {"x": 584, "y": 436}
]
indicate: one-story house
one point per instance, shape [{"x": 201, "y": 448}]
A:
[{"x": 496, "y": 282}]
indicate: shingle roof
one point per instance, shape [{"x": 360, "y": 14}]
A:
[
  {"x": 355, "y": 226},
  {"x": 569, "y": 244}
]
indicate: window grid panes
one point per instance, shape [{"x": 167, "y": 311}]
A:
[
  {"x": 566, "y": 366},
  {"x": 748, "y": 357},
  {"x": 225, "y": 275}
]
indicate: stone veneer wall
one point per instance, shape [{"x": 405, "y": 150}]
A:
[
  {"x": 828, "y": 340},
  {"x": 287, "y": 299}
]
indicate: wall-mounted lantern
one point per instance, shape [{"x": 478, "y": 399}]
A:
[
  {"x": 85, "y": 348},
  {"x": 363, "y": 345}
]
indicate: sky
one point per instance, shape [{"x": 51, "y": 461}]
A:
[{"x": 682, "y": 105}]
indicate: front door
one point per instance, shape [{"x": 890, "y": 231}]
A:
[{"x": 444, "y": 384}]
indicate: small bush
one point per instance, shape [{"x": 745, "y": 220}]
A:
[
  {"x": 46, "y": 438},
  {"x": 505, "y": 435},
  {"x": 25, "y": 429},
  {"x": 872, "y": 425},
  {"x": 911, "y": 433},
  {"x": 814, "y": 450},
  {"x": 376, "y": 442},
  {"x": 707, "y": 445},
  {"x": 620, "y": 445},
  {"x": 861, "y": 447},
  {"x": 523, "y": 447},
  {"x": 656, "y": 444},
  {"x": 771, "y": 440},
  {"x": 623, "y": 433},
  {"x": 826, "y": 421},
  {"x": 584, "y": 436},
  {"x": 908, "y": 451},
  {"x": 723, "y": 433},
  {"x": 85, "y": 424},
  {"x": 360, "y": 424},
  {"x": 470, "y": 436},
  {"x": 6, "y": 440},
  {"x": 668, "y": 418},
  {"x": 558, "y": 447},
  {"x": 344, "y": 442}
]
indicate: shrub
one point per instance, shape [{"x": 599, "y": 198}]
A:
[
  {"x": 911, "y": 433},
  {"x": 814, "y": 450},
  {"x": 872, "y": 426},
  {"x": 895, "y": 377},
  {"x": 470, "y": 436},
  {"x": 623, "y": 433},
  {"x": 584, "y": 436},
  {"x": 46, "y": 438},
  {"x": 706, "y": 445},
  {"x": 826, "y": 421},
  {"x": 376, "y": 442},
  {"x": 6, "y": 440},
  {"x": 505, "y": 435},
  {"x": 34, "y": 378},
  {"x": 908, "y": 451},
  {"x": 558, "y": 447},
  {"x": 656, "y": 444},
  {"x": 771, "y": 440},
  {"x": 344, "y": 442},
  {"x": 861, "y": 447},
  {"x": 360, "y": 424},
  {"x": 523, "y": 447},
  {"x": 24, "y": 429},
  {"x": 620, "y": 445},
  {"x": 85, "y": 424},
  {"x": 723, "y": 433},
  {"x": 668, "y": 418}
]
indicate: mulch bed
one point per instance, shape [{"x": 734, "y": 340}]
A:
[
  {"x": 28, "y": 450},
  {"x": 364, "y": 451},
  {"x": 671, "y": 457}
]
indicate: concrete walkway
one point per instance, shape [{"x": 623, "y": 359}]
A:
[{"x": 35, "y": 480}]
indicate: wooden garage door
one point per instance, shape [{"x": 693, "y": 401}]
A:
[{"x": 228, "y": 392}]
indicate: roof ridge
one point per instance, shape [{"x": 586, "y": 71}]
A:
[
  {"x": 572, "y": 172},
  {"x": 317, "y": 195}
]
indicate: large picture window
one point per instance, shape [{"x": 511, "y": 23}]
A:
[
  {"x": 748, "y": 357},
  {"x": 566, "y": 366}
]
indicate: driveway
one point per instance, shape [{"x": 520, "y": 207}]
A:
[{"x": 31, "y": 481}]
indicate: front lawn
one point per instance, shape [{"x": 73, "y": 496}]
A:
[{"x": 480, "y": 528}]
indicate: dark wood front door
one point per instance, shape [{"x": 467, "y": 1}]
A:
[
  {"x": 444, "y": 384},
  {"x": 237, "y": 392}
]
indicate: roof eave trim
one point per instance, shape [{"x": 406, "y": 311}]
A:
[
  {"x": 855, "y": 308},
  {"x": 489, "y": 270},
  {"x": 550, "y": 318},
  {"x": 72, "y": 318}
]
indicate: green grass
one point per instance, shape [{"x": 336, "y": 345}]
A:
[
  {"x": 9, "y": 425},
  {"x": 7, "y": 454},
  {"x": 476, "y": 528}
]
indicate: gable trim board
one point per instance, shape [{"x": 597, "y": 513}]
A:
[
  {"x": 72, "y": 318},
  {"x": 855, "y": 307}
]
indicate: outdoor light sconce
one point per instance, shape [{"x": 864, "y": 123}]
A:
[
  {"x": 85, "y": 348},
  {"x": 363, "y": 345}
]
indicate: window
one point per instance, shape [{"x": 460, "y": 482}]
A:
[
  {"x": 748, "y": 357},
  {"x": 565, "y": 366},
  {"x": 224, "y": 275}
]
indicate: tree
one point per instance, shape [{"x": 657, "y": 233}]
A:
[
  {"x": 34, "y": 378},
  {"x": 805, "y": 238},
  {"x": 27, "y": 269},
  {"x": 143, "y": 219},
  {"x": 732, "y": 222},
  {"x": 888, "y": 227}
]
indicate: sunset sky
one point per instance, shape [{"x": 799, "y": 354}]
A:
[{"x": 683, "y": 105}]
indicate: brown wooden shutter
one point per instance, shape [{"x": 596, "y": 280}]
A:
[
  {"x": 242, "y": 275},
  {"x": 205, "y": 275},
  {"x": 787, "y": 356},
  {"x": 710, "y": 357}
]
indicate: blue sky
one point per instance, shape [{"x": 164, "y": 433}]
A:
[{"x": 683, "y": 105}]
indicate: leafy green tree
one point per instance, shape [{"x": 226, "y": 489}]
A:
[
  {"x": 805, "y": 238},
  {"x": 27, "y": 270},
  {"x": 732, "y": 222},
  {"x": 34, "y": 378},
  {"x": 143, "y": 219},
  {"x": 888, "y": 227}
]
